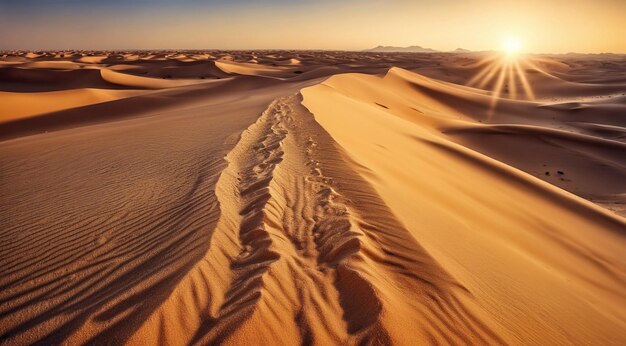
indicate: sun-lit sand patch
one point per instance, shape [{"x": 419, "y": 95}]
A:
[
  {"x": 14, "y": 106},
  {"x": 97, "y": 59},
  {"x": 252, "y": 69},
  {"x": 143, "y": 82}
]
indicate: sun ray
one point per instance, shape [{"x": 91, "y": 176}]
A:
[
  {"x": 525, "y": 85},
  {"x": 496, "y": 68},
  {"x": 482, "y": 74},
  {"x": 487, "y": 61},
  {"x": 496, "y": 92},
  {"x": 511, "y": 81},
  {"x": 504, "y": 75},
  {"x": 539, "y": 69}
]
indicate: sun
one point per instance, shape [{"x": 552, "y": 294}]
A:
[
  {"x": 504, "y": 73},
  {"x": 512, "y": 45}
]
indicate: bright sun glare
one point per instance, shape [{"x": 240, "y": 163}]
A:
[
  {"x": 512, "y": 45},
  {"x": 504, "y": 74}
]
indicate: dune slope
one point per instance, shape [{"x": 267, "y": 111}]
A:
[{"x": 515, "y": 242}]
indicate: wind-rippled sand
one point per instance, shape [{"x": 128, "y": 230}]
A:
[{"x": 292, "y": 197}]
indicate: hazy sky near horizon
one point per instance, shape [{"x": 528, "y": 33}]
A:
[{"x": 556, "y": 26}]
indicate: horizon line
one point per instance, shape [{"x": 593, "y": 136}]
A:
[{"x": 367, "y": 50}]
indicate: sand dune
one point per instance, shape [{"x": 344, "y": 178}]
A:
[
  {"x": 19, "y": 105},
  {"x": 21, "y": 79},
  {"x": 92, "y": 59},
  {"x": 200, "y": 198},
  {"x": 253, "y": 69},
  {"x": 514, "y": 213},
  {"x": 143, "y": 82}
]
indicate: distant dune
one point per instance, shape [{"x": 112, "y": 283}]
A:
[
  {"x": 312, "y": 197},
  {"x": 18, "y": 105},
  {"x": 409, "y": 49}
]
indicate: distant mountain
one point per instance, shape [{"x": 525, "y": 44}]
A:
[
  {"x": 410, "y": 49},
  {"x": 461, "y": 50}
]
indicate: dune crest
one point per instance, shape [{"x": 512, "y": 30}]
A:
[
  {"x": 253, "y": 69},
  {"x": 327, "y": 259},
  {"x": 143, "y": 82}
]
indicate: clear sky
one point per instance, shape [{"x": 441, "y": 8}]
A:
[{"x": 542, "y": 26}]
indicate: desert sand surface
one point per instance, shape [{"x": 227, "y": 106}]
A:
[{"x": 312, "y": 197}]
